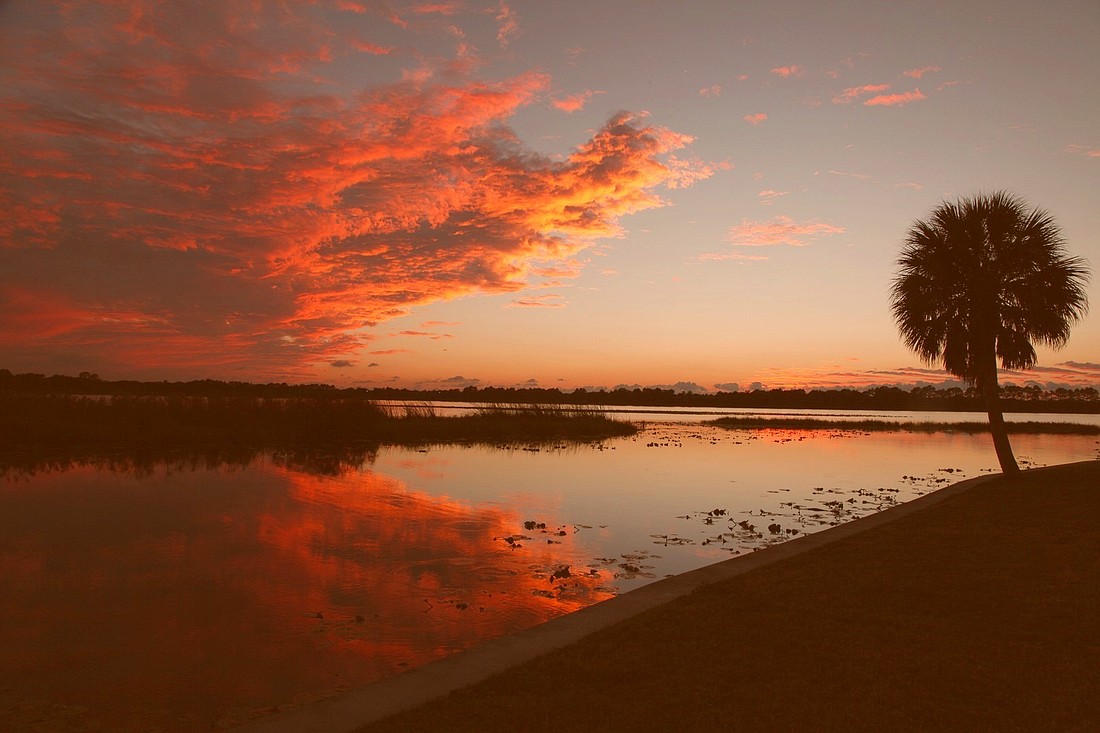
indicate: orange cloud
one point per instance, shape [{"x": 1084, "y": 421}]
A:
[
  {"x": 894, "y": 100},
  {"x": 756, "y": 119},
  {"x": 782, "y": 230},
  {"x": 852, "y": 93},
  {"x": 575, "y": 102},
  {"x": 217, "y": 202},
  {"x": 509, "y": 24},
  {"x": 918, "y": 73},
  {"x": 447, "y": 8},
  {"x": 711, "y": 91},
  {"x": 788, "y": 71}
]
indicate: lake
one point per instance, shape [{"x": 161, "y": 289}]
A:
[{"x": 182, "y": 596}]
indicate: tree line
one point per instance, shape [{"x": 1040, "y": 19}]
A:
[{"x": 924, "y": 398}]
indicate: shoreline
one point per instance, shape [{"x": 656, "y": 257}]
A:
[{"x": 533, "y": 659}]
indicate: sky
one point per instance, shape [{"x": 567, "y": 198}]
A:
[{"x": 704, "y": 195}]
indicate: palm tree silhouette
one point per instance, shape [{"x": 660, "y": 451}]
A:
[{"x": 985, "y": 278}]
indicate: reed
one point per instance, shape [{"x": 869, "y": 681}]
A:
[{"x": 57, "y": 426}]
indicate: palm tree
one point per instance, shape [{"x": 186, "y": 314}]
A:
[{"x": 985, "y": 278}]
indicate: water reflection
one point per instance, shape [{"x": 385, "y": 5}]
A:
[
  {"x": 180, "y": 599},
  {"x": 189, "y": 592},
  {"x": 324, "y": 461}
]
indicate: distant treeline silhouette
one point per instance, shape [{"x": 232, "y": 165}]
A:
[{"x": 953, "y": 399}]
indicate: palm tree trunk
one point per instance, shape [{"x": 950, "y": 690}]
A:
[{"x": 991, "y": 395}]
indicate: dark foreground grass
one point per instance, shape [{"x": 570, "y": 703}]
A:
[
  {"x": 53, "y": 427},
  {"x": 977, "y": 613},
  {"x": 810, "y": 423}
]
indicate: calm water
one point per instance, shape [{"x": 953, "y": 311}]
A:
[
  {"x": 181, "y": 597},
  {"x": 638, "y": 413}
]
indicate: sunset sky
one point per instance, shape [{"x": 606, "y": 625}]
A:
[{"x": 515, "y": 193}]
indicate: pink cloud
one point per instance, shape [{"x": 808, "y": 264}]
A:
[
  {"x": 424, "y": 334},
  {"x": 1066, "y": 374},
  {"x": 714, "y": 90},
  {"x": 852, "y": 93},
  {"x": 567, "y": 269},
  {"x": 370, "y": 48},
  {"x": 756, "y": 119},
  {"x": 894, "y": 100},
  {"x": 768, "y": 196},
  {"x": 1084, "y": 150},
  {"x": 538, "y": 301},
  {"x": 849, "y": 174},
  {"x": 788, "y": 71},
  {"x": 737, "y": 256},
  {"x": 685, "y": 173},
  {"x": 918, "y": 73},
  {"x": 782, "y": 230},
  {"x": 180, "y": 193},
  {"x": 508, "y": 24}
]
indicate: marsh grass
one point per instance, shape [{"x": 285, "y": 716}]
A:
[
  {"x": 505, "y": 423},
  {"x": 809, "y": 423},
  {"x": 44, "y": 428}
]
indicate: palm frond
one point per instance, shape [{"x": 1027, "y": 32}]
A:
[{"x": 985, "y": 273}]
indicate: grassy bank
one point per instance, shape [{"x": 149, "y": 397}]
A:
[
  {"x": 868, "y": 426},
  {"x": 59, "y": 426}
]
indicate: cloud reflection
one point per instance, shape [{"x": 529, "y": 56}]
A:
[{"x": 221, "y": 593}]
